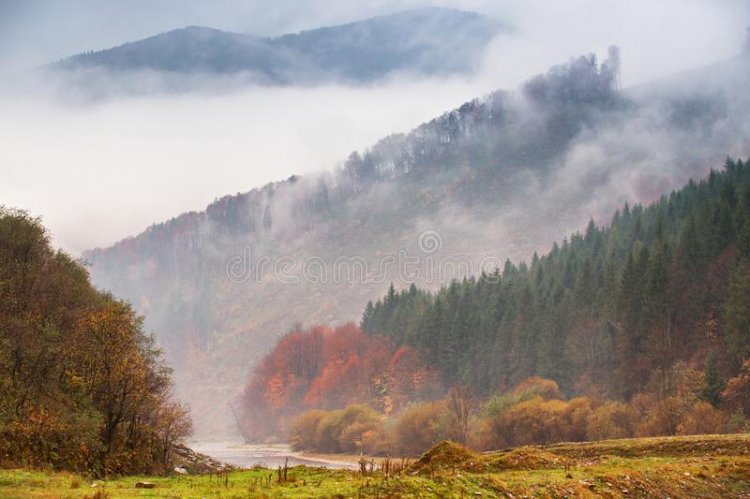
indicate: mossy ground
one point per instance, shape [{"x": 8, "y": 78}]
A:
[{"x": 705, "y": 466}]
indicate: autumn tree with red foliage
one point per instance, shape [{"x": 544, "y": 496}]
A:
[{"x": 324, "y": 368}]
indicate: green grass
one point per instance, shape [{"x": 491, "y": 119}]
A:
[{"x": 705, "y": 466}]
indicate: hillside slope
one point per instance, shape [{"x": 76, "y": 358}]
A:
[
  {"x": 609, "y": 311},
  {"x": 499, "y": 177}
]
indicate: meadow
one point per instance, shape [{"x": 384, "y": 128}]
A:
[{"x": 699, "y": 466}]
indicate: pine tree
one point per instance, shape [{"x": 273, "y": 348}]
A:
[
  {"x": 367, "y": 318},
  {"x": 737, "y": 311},
  {"x": 713, "y": 385}
]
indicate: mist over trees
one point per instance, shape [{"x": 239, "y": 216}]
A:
[
  {"x": 569, "y": 97},
  {"x": 82, "y": 386},
  {"x": 328, "y": 368},
  {"x": 582, "y": 80},
  {"x": 503, "y": 171},
  {"x": 639, "y": 328},
  {"x": 410, "y": 294},
  {"x": 608, "y": 311}
]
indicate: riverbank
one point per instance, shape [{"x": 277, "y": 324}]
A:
[
  {"x": 709, "y": 466},
  {"x": 271, "y": 456}
]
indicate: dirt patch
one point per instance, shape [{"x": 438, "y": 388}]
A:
[
  {"x": 686, "y": 446},
  {"x": 449, "y": 456}
]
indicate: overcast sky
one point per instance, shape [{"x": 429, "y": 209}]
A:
[{"x": 100, "y": 173}]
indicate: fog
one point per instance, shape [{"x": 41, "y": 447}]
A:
[
  {"x": 102, "y": 170},
  {"x": 100, "y": 173}
]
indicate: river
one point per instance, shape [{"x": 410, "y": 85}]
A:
[{"x": 270, "y": 456}]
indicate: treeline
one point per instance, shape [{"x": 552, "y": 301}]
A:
[
  {"x": 82, "y": 386},
  {"x": 533, "y": 412},
  {"x": 326, "y": 368},
  {"x": 609, "y": 312}
]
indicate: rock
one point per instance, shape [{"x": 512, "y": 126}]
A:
[
  {"x": 195, "y": 463},
  {"x": 145, "y": 485}
]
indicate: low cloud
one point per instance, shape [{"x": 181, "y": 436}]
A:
[{"x": 98, "y": 172}]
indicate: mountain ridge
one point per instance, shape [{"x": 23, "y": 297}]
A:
[{"x": 429, "y": 41}]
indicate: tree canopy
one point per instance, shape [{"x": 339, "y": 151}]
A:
[{"x": 82, "y": 386}]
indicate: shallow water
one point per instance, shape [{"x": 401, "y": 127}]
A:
[{"x": 271, "y": 456}]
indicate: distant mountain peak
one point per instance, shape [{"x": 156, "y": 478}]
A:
[{"x": 426, "y": 41}]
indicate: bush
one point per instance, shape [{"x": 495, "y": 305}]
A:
[
  {"x": 661, "y": 416},
  {"x": 611, "y": 420},
  {"x": 303, "y": 429},
  {"x": 357, "y": 420},
  {"x": 537, "y": 421},
  {"x": 334, "y": 431},
  {"x": 703, "y": 418},
  {"x": 328, "y": 431},
  {"x": 381, "y": 441},
  {"x": 420, "y": 427}
]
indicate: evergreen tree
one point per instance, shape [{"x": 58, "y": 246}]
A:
[
  {"x": 738, "y": 311},
  {"x": 367, "y": 318},
  {"x": 713, "y": 385}
]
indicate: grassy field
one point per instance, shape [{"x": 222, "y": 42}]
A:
[{"x": 702, "y": 466}]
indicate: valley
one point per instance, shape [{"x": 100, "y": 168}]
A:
[{"x": 375, "y": 249}]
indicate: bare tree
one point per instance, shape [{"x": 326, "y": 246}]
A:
[{"x": 461, "y": 403}]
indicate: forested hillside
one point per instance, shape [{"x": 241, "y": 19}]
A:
[
  {"x": 609, "y": 310},
  {"x": 82, "y": 386},
  {"x": 638, "y": 328},
  {"x": 503, "y": 175}
]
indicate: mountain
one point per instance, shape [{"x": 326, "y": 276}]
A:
[
  {"x": 499, "y": 177},
  {"x": 427, "y": 41}
]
